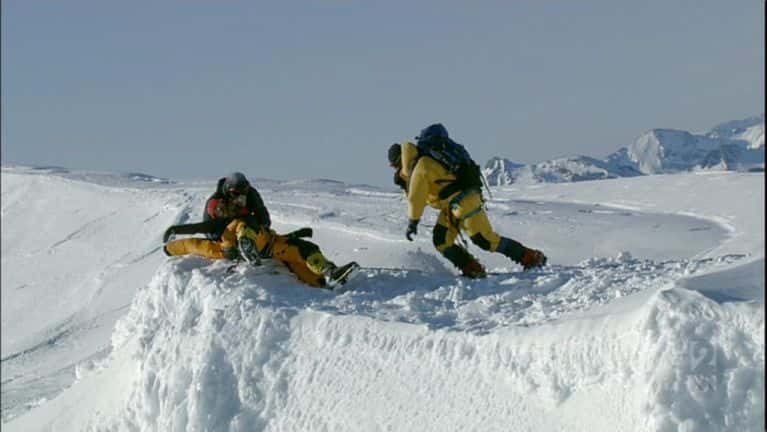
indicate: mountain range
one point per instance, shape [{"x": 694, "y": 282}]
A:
[{"x": 735, "y": 145}]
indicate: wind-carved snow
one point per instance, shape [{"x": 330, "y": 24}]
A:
[
  {"x": 648, "y": 318},
  {"x": 531, "y": 298},
  {"x": 237, "y": 351}
]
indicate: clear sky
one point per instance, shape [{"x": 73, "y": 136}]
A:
[{"x": 304, "y": 89}]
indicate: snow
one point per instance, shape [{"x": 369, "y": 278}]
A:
[
  {"x": 650, "y": 316},
  {"x": 731, "y": 201}
]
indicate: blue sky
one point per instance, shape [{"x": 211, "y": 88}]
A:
[{"x": 287, "y": 90}]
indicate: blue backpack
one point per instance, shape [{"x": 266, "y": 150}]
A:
[{"x": 435, "y": 143}]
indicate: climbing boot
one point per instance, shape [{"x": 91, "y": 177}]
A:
[
  {"x": 532, "y": 258},
  {"x": 335, "y": 276},
  {"x": 474, "y": 270}
]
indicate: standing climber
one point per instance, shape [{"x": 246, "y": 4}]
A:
[{"x": 439, "y": 172}]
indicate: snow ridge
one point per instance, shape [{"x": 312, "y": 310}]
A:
[{"x": 237, "y": 352}]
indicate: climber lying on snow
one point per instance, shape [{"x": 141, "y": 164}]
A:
[{"x": 237, "y": 226}]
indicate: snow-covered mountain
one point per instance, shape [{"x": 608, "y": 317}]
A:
[
  {"x": 499, "y": 171},
  {"x": 649, "y": 317},
  {"x": 750, "y": 131},
  {"x": 736, "y": 145}
]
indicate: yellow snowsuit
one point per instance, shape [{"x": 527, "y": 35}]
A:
[
  {"x": 302, "y": 257},
  {"x": 461, "y": 210}
]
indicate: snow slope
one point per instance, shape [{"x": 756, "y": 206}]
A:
[
  {"x": 651, "y": 316},
  {"x": 72, "y": 254}
]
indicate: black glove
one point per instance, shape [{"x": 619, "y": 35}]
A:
[
  {"x": 168, "y": 233},
  {"x": 412, "y": 229}
]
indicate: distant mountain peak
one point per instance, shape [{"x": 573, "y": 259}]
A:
[
  {"x": 750, "y": 130},
  {"x": 733, "y": 145}
]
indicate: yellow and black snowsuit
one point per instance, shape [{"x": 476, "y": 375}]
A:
[
  {"x": 460, "y": 210},
  {"x": 302, "y": 257},
  {"x": 231, "y": 221}
]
